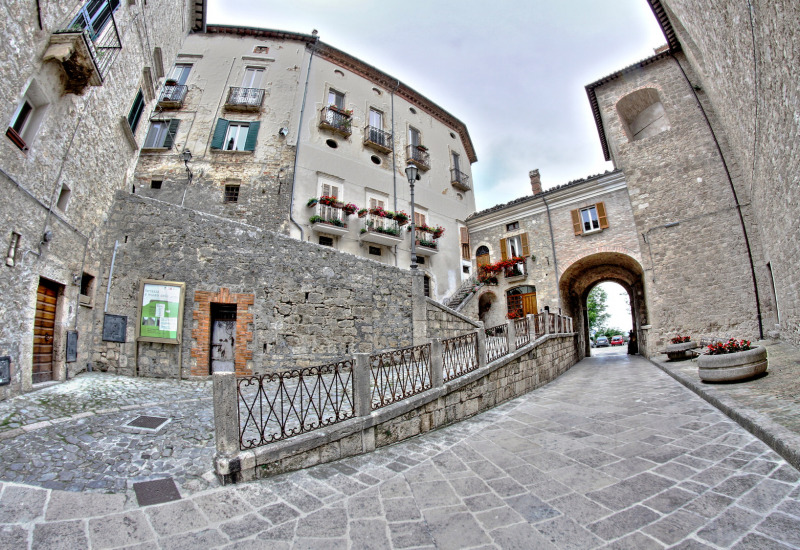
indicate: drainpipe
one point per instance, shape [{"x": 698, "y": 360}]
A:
[
  {"x": 735, "y": 198},
  {"x": 553, "y": 244},
  {"x": 297, "y": 145},
  {"x": 394, "y": 168}
]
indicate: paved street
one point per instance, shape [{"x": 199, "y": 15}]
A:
[{"x": 613, "y": 454}]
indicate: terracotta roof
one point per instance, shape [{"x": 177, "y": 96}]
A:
[
  {"x": 365, "y": 70},
  {"x": 551, "y": 190}
]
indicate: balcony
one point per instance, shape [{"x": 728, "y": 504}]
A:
[
  {"x": 329, "y": 219},
  {"x": 336, "y": 120},
  {"x": 426, "y": 243},
  {"x": 459, "y": 180},
  {"x": 378, "y": 230},
  {"x": 418, "y": 156},
  {"x": 172, "y": 96},
  {"x": 244, "y": 99},
  {"x": 378, "y": 139},
  {"x": 518, "y": 270},
  {"x": 86, "y": 45}
]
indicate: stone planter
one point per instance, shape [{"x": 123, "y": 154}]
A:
[
  {"x": 730, "y": 367},
  {"x": 679, "y": 352}
]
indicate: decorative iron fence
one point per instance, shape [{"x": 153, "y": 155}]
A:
[
  {"x": 276, "y": 406},
  {"x": 378, "y": 224},
  {"x": 333, "y": 215},
  {"x": 380, "y": 138},
  {"x": 496, "y": 342},
  {"x": 399, "y": 374},
  {"x": 460, "y": 355},
  {"x": 336, "y": 120},
  {"x": 418, "y": 156},
  {"x": 173, "y": 94},
  {"x": 245, "y": 97},
  {"x": 459, "y": 179},
  {"x": 523, "y": 337}
]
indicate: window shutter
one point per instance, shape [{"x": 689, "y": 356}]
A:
[
  {"x": 601, "y": 215},
  {"x": 252, "y": 135},
  {"x": 576, "y": 222},
  {"x": 525, "y": 250},
  {"x": 464, "y": 235},
  {"x": 172, "y": 131},
  {"x": 373, "y": 203},
  {"x": 503, "y": 250},
  {"x": 218, "y": 138}
]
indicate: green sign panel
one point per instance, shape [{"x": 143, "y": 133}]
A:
[{"x": 161, "y": 311}]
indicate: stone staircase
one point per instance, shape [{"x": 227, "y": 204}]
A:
[{"x": 461, "y": 296}]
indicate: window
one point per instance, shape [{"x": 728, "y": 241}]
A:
[
  {"x": 94, "y": 16},
  {"x": 375, "y": 119},
  {"x": 180, "y": 73},
  {"x": 136, "y": 111},
  {"x": 161, "y": 134},
  {"x": 235, "y": 136},
  {"x": 482, "y": 256},
  {"x": 231, "y": 193},
  {"x": 513, "y": 247},
  {"x": 512, "y": 226},
  {"x": 642, "y": 114},
  {"x": 325, "y": 241},
  {"x": 420, "y": 219},
  {"x": 375, "y": 250},
  {"x": 465, "y": 269},
  {"x": 156, "y": 184},
  {"x": 27, "y": 118},
  {"x": 464, "y": 234},
  {"x": 261, "y": 49},
  {"x": 421, "y": 260},
  {"x": 252, "y": 77},
  {"x": 589, "y": 219},
  {"x": 87, "y": 284},
  {"x": 336, "y": 99},
  {"x": 456, "y": 161},
  {"x": 63, "y": 198},
  {"x": 414, "y": 137},
  {"x": 426, "y": 286}
]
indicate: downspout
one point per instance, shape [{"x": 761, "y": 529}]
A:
[
  {"x": 297, "y": 145},
  {"x": 394, "y": 169},
  {"x": 553, "y": 244},
  {"x": 735, "y": 198}
]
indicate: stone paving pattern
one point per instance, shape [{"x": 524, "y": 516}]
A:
[{"x": 613, "y": 454}]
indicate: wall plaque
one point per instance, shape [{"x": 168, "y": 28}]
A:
[
  {"x": 114, "y": 328},
  {"x": 72, "y": 346}
]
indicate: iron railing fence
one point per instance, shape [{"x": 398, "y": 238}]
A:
[
  {"x": 418, "y": 156},
  {"x": 336, "y": 120},
  {"x": 426, "y": 239},
  {"x": 378, "y": 224},
  {"x": 99, "y": 28},
  {"x": 459, "y": 179},
  {"x": 496, "y": 342},
  {"x": 381, "y": 138},
  {"x": 332, "y": 215},
  {"x": 516, "y": 270},
  {"x": 399, "y": 374},
  {"x": 173, "y": 94},
  {"x": 273, "y": 407},
  {"x": 245, "y": 97},
  {"x": 460, "y": 355},
  {"x": 523, "y": 337}
]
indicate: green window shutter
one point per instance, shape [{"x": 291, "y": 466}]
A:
[
  {"x": 219, "y": 133},
  {"x": 252, "y": 134},
  {"x": 172, "y": 131}
]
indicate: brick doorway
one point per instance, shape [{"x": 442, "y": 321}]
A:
[{"x": 223, "y": 338}]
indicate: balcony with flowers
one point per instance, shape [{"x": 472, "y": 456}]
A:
[
  {"x": 330, "y": 215},
  {"x": 426, "y": 239},
  {"x": 338, "y": 121},
  {"x": 513, "y": 268},
  {"x": 381, "y": 226}
]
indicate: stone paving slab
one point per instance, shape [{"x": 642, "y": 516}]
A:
[
  {"x": 613, "y": 454},
  {"x": 768, "y": 407}
]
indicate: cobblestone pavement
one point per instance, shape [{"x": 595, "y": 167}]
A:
[{"x": 613, "y": 454}]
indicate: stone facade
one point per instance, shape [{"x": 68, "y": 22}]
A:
[
  {"x": 443, "y": 322},
  {"x": 76, "y": 150}
]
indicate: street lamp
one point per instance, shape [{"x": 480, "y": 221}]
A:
[
  {"x": 411, "y": 174},
  {"x": 186, "y": 156}
]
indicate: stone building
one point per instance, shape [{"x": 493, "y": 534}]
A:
[{"x": 78, "y": 80}]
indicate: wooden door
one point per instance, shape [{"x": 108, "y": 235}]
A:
[
  {"x": 529, "y": 303},
  {"x": 44, "y": 324},
  {"x": 223, "y": 333}
]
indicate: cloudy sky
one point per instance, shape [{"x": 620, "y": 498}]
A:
[{"x": 513, "y": 71}]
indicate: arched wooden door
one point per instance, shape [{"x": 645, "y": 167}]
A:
[
  {"x": 521, "y": 301},
  {"x": 44, "y": 324}
]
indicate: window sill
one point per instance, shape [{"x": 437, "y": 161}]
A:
[
  {"x": 235, "y": 152},
  {"x": 154, "y": 150},
  {"x": 85, "y": 301},
  {"x": 593, "y": 231},
  {"x": 16, "y": 139}
]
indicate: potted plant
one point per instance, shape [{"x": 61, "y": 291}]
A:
[
  {"x": 350, "y": 209},
  {"x": 327, "y": 200},
  {"x": 731, "y": 361},
  {"x": 312, "y": 202},
  {"x": 363, "y": 212},
  {"x": 680, "y": 348},
  {"x": 401, "y": 218},
  {"x": 438, "y": 231},
  {"x": 170, "y": 82},
  {"x": 378, "y": 211}
]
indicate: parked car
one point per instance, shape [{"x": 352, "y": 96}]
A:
[
  {"x": 601, "y": 342},
  {"x": 617, "y": 340}
]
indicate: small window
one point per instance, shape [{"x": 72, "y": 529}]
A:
[
  {"x": 421, "y": 260},
  {"x": 331, "y": 143},
  {"x": 513, "y": 226},
  {"x": 87, "y": 284},
  {"x": 236, "y": 136},
  {"x": 136, "y": 111},
  {"x": 465, "y": 269},
  {"x": 231, "y": 193},
  {"x": 375, "y": 159},
  {"x": 63, "y": 198},
  {"x": 156, "y": 184},
  {"x": 161, "y": 134},
  {"x": 336, "y": 98},
  {"x": 261, "y": 49},
  {"x": 589, "y": 219},
  {"x": 27, "y": 118},
  {"x": 180, "y": 74},
  {"x": 412, "y": 110},
  {"x": 325, "y": 241},
  {"x": 375, "y": 250},
  {"x": 426, "y": 286}
]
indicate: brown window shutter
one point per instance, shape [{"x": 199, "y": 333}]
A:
[
  {"x": 326, "y": 190},
  {"x": 526, "y": 251},
  {"x": 464, "y": 235},
  {"x": 601, "y": 215},
  {"x": 576, "y": 222},
  {"x": 503, "y": 250},
  {"x": 373, "y": 203}
]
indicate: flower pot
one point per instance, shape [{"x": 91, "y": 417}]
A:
[
  {"x": 730, "y": 367},
  {"x": 679, "y": 352}
]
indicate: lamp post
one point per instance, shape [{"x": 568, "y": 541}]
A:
[
  {"x": 411, "y": 174},
  {"x": 186, "y": 156}
]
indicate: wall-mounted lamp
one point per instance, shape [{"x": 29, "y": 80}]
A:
[
  {"x": 186, "y": 156},
  {"x": 283, "y": 131},
  {"x": 47, "y": 237}
]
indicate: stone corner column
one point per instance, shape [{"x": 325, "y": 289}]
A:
[
  {"x": 437, "y": 363},
  {"x": 362, "y": 399},
  {"x": 481, "y": 332},
  {"x": 226, "y": 413},
  {"x": 511, "y": 334},
  {"x": 419, "y": 313}
]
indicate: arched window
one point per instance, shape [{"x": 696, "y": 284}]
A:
[
  {"x": 482, "y": 256},
  {"x": 642, "y": 114}
]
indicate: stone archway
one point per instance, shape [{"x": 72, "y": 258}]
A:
[
  {"x": 485, "y": 303},
  {"x": 585, "y": 273}
]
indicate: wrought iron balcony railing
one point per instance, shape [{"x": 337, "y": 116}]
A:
[
  {"x": 516, "y": 270},
  {"x": 336, "y": 120},
  {"x": 172, "y": 96},
  {"x": 426, "y": 239},
  {"x": 418, "y": 155},
  {"x": 378, "y": 139},
  {"x": 459, "y": 179},
  {"x": 244, "y": 99}
]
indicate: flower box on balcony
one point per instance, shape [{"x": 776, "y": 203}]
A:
[{"x": 330, "y": 226}]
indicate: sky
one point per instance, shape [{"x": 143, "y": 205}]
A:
[{"x": 513, "y": 71}]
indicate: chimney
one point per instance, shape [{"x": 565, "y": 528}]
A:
[{"x": 536, "y": 182}]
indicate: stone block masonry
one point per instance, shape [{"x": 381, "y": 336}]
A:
[{"x": 443, "y": 322}]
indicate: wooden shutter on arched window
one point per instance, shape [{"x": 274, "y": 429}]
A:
[
  {"x": 526, "y": 251},
  {"x": 601, "y": 215},
  {"x": 503, "y": 250},
  {"x": 576, "y": 222}
]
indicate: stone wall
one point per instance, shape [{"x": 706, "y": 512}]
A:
[
  {"x": 310, "y": 304},
  {"x": 529, "y": 368},
  {"x": 746, "y": 64},
  {"x": 445, "y": 323}
]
